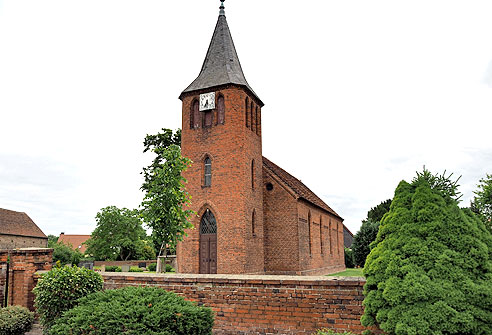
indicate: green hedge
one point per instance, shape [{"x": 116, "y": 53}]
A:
[
  {"x": 152, "y": 267},
  {"x": 15, "y": 320},
  {"x": 113, "y": 268},
  {"x": 136, "y": 269},
  {"x": 135, "y": 310},
  {"x": 58, "y": 290}
]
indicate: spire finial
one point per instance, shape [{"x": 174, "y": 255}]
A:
[{"x": 222, "y": 8}]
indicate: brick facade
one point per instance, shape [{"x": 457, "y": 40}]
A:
[
  {"x": 14, "y": 242},
  {"x": 263, "y": 304},
  {"x": 232, "y": 148},
  {"x": 24, "y": 263},
  {"x": 3, "y": 276}
]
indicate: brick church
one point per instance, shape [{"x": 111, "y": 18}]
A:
[{"x": 253, "y": 217}]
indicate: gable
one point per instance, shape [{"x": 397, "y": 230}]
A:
[
  {"x": 296, "y": 187},
  {"x": 18, "y": 223}
]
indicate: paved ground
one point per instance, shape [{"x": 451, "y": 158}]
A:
[{"x": 36, "y": 330}]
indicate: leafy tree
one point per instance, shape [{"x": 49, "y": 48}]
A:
[
  {"x": 349, "y": 258},
  {"x": 431, "y": 270},
  {"x": 375, "y": 214},
  {"x": 362, "y": 241},
  {"x": 65, "y": 253},
  {"x": 165, "y": 196},
  {"x": 118, "y": 235},
  {"x": 52, "y": 239},
  {"x": 482, "y": 202},
  {"x": 361, "y": 245}
]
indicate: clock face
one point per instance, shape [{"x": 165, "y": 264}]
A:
[{"x": 207, "y": 101}]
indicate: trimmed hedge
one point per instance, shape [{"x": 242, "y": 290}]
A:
[
  {"x": 135, "y": 269},
  {"x": 135, "y": 310},
  {"x": 58, "y": 290},
  {"x": 152, "y": 267},
  {"x": 113, "y": 268},
  {"x": 15, "y": 320},
  {"x": 326, "y": 331}
]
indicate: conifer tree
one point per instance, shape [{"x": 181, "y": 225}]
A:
[{"x": 431, "y": 269}]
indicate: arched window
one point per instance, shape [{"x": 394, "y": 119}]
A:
[
  {"x": 194, "y": 115},
  {"x": 257, "y": 121},
  {"x": 221, "y": 110},
  {"x": 208, "y": 225},
  {"x": 253, "y": 174},
  {"x": 247, "y": 113},
  {"x": 329, "y": 237},
  {"x": 207, "y": 118},
  {"x": 207, "y": 164},
  {"x": 252, "y": 114},
  {"x": 321, "y": 234},
  {"x": 309, "y": 232},
  {"x": 253, "y": 218}
]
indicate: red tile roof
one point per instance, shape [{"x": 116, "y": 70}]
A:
[
  {"x": 75, "y": 241},
  {"x": 301, "y": 190},
  {"x": 18, "y": 223}
]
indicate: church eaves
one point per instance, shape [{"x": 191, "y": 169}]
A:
[{"x": 221, "y": 65}]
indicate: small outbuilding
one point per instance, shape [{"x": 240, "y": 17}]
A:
[{"x": 18, "y": 230}]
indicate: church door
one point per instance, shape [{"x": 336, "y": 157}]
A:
[{"x": 208, "y": 243}]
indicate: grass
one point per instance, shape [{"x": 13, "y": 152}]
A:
[{"x": 349, "y": 273}]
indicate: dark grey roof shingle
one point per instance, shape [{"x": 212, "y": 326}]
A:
[{"x": 221, "y": 65}]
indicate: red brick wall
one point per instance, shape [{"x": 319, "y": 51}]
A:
[
  {"x": 264, "y": 304},
  {"x": 319, "y": 260},
  {"x": 23, "y": 265},
  {"x": 231, "y": 146},
  {"x": 3, "y": 275},
  {"x": 281, "y": 231}
]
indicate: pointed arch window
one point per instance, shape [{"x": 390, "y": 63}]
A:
[
  {"x": 220, "y": 110},
  {"x": 194, "y": 114},
  {"x": 208, "y": 224},
  {"x": 309, "y": 233},
  {"x": 253, "y": 174},
  {"x": 321, "y": 234},
  {"x": 207, "y": 168},
  {"x": 257, "y": 122},
  {"x": 246, "y": 112},
  {"x": 252, "y": 114}
]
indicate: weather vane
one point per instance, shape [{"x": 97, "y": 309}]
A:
[{"x": 222, "y": 11}]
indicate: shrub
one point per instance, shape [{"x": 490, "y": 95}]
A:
[
  {"x": 169, "y": 268},
  {"x": 325, "y": 331},
  {"x": 430, "y": 270},
  {"x": 152, "y": 267},
  {"x": 135, "y": 310},
  {"x": 58, "y": 290},
  {"x": 113, "y": 268},
  {"x": 15, "y": 320},
  {"x": 65, "y": 254},
  {"x": 135, "y": 269},
  {"x": 349, "y": 258}
]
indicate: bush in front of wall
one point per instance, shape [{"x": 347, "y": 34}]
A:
[
  {"x": 169, "y": 268},
  {"x": 135, "y": 269},
  {"x": 57, "y": 291},
  {"x": 113, "y": 268},
  {"x": 152, "y": 267},
  {"x": 15, "y": 320},
  {"x": 135, "y": 310}
]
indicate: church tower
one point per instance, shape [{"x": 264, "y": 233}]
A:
[{"x": 221, "y": 134}]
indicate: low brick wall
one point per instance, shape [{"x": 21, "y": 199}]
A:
[{"x": 263, "y": 304}]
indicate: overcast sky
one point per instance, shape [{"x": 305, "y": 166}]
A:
[{"x": 358, "y": 95}]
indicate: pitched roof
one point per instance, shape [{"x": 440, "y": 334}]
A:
[
  {"x": 300, "y": 190},
  {"x": 221, "y": 65},
  {"x": 75, "y": 241},
  {"x": 18, "y": 223}
]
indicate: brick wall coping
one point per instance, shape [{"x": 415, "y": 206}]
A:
[
  {"x": 25, "y": 250},
  {"x": 238, "y": 279}
]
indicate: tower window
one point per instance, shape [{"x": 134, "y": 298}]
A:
[
  {"x": 269, "y": 186},
  {"x": 246, "y": 112},
  {"x": 207, "y": 119},
  {"x": 194, "y": 115},
  {"x": 309, "y": 233},
  {"x": 257, "y": 122},
  {"x": 252, "y": 120},
  {"x": 208, "y": 172},
  {"x": 321, "y": 234},
  {"x": 220, "y": 110},
  {"x": 253, "y": 174}
]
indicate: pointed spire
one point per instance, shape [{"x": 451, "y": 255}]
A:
[
  {"x": 221, "y": 65},
  {"x": 222, "y": 8}
]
